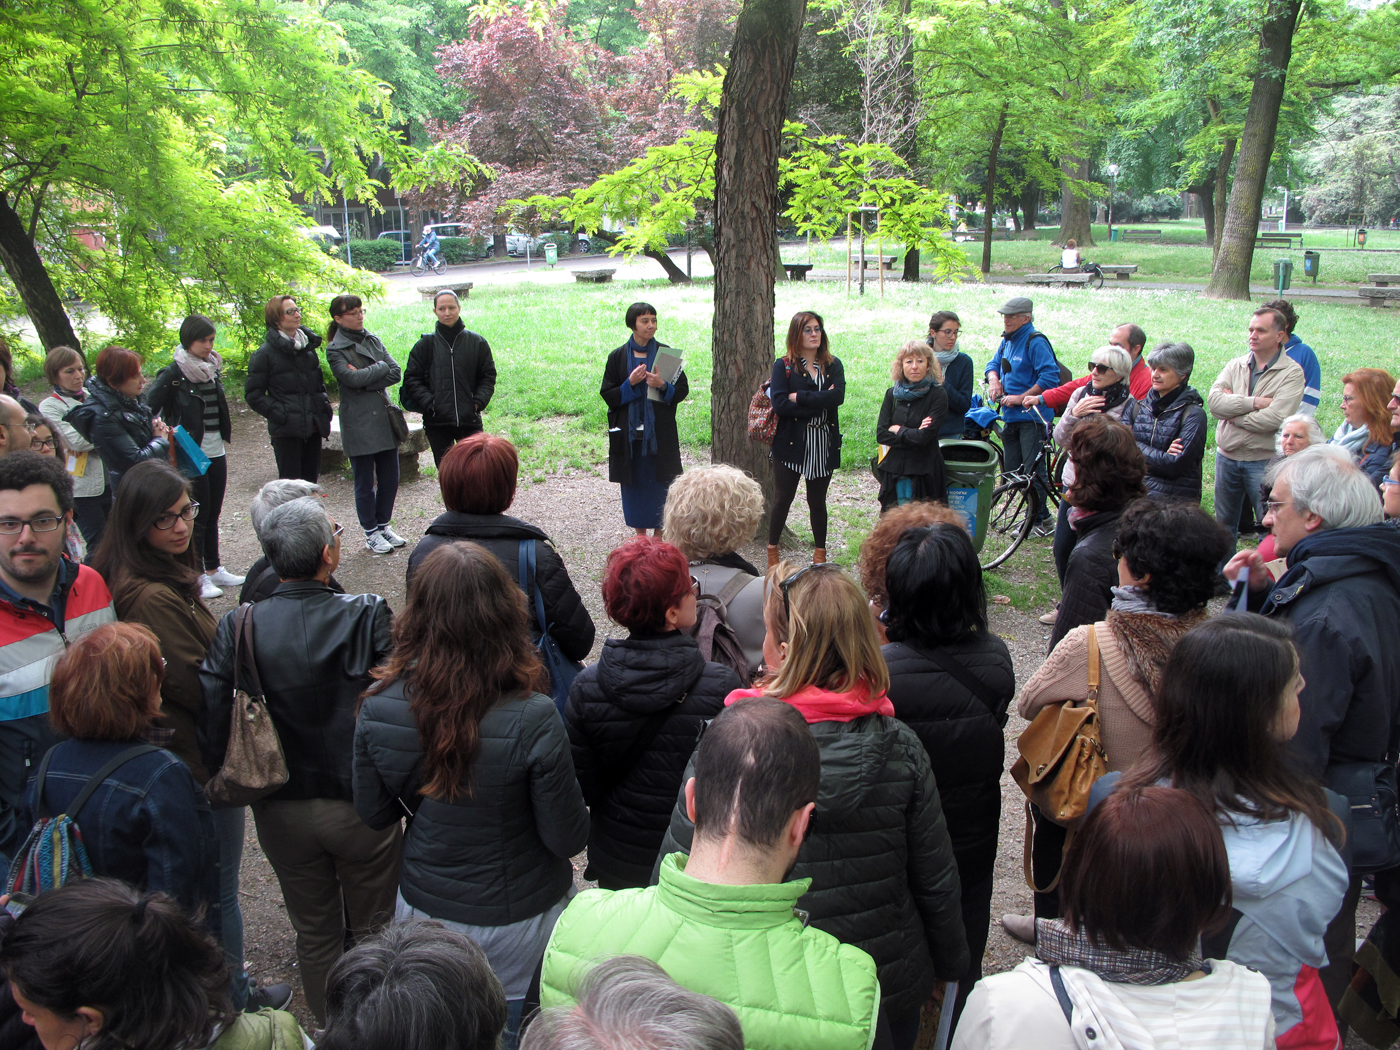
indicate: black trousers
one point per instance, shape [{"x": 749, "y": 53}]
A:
[
  {"x": 785, "y": 489},
  {"x": 441, "y": 439},
  {"x": 298, "y": 457},
  {"x": 208, "y": 491},
  {"x": 90, "y": 514}
]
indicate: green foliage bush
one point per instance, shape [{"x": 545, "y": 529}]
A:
[
  {"x": 457, "y": 250},
  {"x": 372, "y": 255}
]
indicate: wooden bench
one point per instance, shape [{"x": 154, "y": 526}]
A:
[
  {"x": 1377, "y": 295},
  {"x": 797, "y": 271},
  {"x": 880, "y": 262},
  {"x": 333, "y": 456},
  {"x": 1383, "y": 279},
  {"x": 1141, "y": 235},
  {"x": 1078, "y": 279},
  {"x": 594, "y": 276},
  {"x": 1278, "y": 240},
  {"x": 462, "y": 290},
  {"x": 1121, "y": 272}
]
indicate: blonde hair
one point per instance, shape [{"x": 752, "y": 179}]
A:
[
  {"x": 831, "y": 639},
  {"x": 912, "y": 348},
  {"x": 711, "y": 511}
]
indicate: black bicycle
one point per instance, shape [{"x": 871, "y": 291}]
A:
[
  {"x": 1092, "y": 269},
  {"x": 422, "y": 265},
  {"x": 1019, "y": 496}
]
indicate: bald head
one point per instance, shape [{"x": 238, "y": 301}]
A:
[{"x": 12, "y": 435}]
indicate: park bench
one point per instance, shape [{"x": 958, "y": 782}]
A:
[
  {"x": 1376, "y": 295},
  {"x": 333, "y": 456},
  {"x": 594, "y": 276},
  {"x": 463, "y": 290},
  {"x": 1121, "y": 272},
  {"x": 1141, "y": 235},
  {"x": 879, "y": 262},
  {"x": 797, "y": 271},
  {"x": 1383, "y": 279},
  {"x": 1080, "y": 280},
  {"x": 1286, "y": 239}
]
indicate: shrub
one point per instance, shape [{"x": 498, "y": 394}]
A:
[
  {"x": 373, "y": 255},
  {"x": 457, "y": 250}
]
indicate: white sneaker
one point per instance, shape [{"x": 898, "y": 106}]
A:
[
  {"x": 379, "y": 543},
  {"x": 207, "y": 588},
  {"x": 225, "y": 578},
  {"x": 392, "y": 536}
]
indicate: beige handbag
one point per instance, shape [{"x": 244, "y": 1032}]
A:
[{"x": 254, "y": 765}]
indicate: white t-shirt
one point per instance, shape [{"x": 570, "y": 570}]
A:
[{"x": 1069, "y": 258}]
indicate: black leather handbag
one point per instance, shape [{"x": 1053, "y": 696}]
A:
[{"x": 1371, "y": 792}]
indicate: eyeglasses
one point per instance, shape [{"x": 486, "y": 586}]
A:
[
  {"x": 290, "y": 310},
  {"x": 695, "y": 586},
  {"x": 35, "y": 445},
  {"x": 27, "y": 426},
  {"x": 14, "y": 526},
  {"x": 811, "y": 330},
  {"x": 946, "y": 331},
  {"x": 1389, "y": 481},
  {"x": 167, "y": 520},
  {"x": 1098, "y": 369},
  {"x": 786, "y": 585},
  {"x": 1273, "y": 506},
  {"x": 1349, "y": 398},
  {"x": 335, "y": 532}
]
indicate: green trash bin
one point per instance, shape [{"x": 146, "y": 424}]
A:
[
  {"x": 551, "y": 252},
  {"x": 971, "y": 468}
]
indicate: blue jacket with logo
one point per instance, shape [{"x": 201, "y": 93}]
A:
[
  {"x": 1312, "y": 373},
  {"x": 1023, "y": 360}
]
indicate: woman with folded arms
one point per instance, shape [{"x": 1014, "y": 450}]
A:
[{"x": 66, "y": 370}]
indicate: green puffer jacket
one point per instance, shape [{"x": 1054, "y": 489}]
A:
[
  {"x": 264, "y": 1030},
  {"x": 741, "y": 945},
  {"x": 877, "y": 853}
]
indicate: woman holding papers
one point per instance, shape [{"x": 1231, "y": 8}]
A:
[{"x": 642, "y": 383}]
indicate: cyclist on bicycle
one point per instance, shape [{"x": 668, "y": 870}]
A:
[{"x": 429, "y": 246}]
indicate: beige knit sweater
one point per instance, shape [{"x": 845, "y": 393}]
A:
[{"x": 1126, "y": 714}]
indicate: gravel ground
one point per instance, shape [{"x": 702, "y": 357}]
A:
[{"x": 582, "y": 515}]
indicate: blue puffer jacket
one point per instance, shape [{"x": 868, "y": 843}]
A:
[
  {"x": 149, "y": 824},
  {"x": 1156, "y": 421}
]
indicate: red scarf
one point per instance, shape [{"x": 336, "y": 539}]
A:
[{"x": 823, "y": 705}]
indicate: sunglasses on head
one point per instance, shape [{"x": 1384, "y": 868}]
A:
[{"x": 786, "y": 585}]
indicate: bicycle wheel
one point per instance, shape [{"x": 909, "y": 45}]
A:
[
  {"x": 1009, "y": 523},
  {"x": 417, "y": 268},
  {"x": 1055, "y": 269},
  {"x": 1057, "y": 475},
  {"x": 439, "y": 267},
  {"x": 1095, "y": 278}
]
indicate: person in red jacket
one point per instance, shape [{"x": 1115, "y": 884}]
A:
[{"x": 1132, "y": 339}]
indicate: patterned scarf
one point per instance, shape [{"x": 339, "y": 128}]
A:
[
  {"x": 640, "y": 413},
  {"x": 198, "y": 370},
  {"x": 1058, "y": 945},
  {"x": 907, "y": 391}
]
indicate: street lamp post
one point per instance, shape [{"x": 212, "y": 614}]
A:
[{"x": 1112, "y": 174}]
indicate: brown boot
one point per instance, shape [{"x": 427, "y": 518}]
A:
[
  {"x": 774, "y": 555},
  {"x": 819, "y": 556}
]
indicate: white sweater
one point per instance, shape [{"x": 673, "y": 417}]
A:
[{"x": 1228, "y": 1009}]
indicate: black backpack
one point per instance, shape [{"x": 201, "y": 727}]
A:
[{"x": 717, "y": 640}]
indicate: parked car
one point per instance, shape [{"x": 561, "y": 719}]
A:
[
  {"x": 516, "y": 241},
  {"x": 406, "y": 242}
]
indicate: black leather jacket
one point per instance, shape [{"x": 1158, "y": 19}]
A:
[
  {"x": 119, "y": 427},
  {"x": 314, "y": 650},
  {"x": 173, "y": 397}
]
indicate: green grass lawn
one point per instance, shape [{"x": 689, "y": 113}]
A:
[{"x": 1183, "y": 255}]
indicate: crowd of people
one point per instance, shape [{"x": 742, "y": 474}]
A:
[{"x": 786, "y": 781}]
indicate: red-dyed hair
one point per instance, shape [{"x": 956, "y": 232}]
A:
[
  {"x": 1373, "y": 387},
  {"x": 478, "y": 475},
  {"x": 643, "y": 578},
  {"x": 106, "y": 686},
  {"x": 1161, "y": 837},
  {"x": 116, "y": 364}
]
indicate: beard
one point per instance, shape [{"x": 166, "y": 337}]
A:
[{"x": 31, "y": 570}]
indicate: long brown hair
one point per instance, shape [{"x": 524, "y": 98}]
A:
[
  {"x": 461, "y": 644},
  {"x": 794, "y": 338},
  {"x": 831, "y": 638},
  {"x": 124, "y": 558}
]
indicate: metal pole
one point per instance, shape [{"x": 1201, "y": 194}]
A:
[
  {"x": 348, "y": 261},
  {"x": 849, "y": 236},
  {"x": 862, "y": 250},
  {"x": 880, "y": 255},
  {"x": 1111, "y": 194}
]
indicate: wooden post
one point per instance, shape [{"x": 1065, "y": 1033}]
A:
[
  {"x": 880, "y": 254},
  {"x": 848, "y": 253}
]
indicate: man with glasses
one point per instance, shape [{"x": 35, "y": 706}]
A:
[
  {"x": 1341, "y": 595},
  {"x": 1251, "y": 398},
  {"x": 15, "y": 432},
  {"x": 46, "y": 601}
]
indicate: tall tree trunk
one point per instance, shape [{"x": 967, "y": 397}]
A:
[
  {"x": 1030, "y": 204},
  {"x": 990, "y": 195},
  {"x": 1074, "y": 209},
  {"x": 748, "y": 136},
  {"x": 31, "y": 279},
  {"x": 911, "y": 265},
  {"x": 1229, "y": 279},
  {"x": 1205, "y": 193},
  {"x": 1222, "y": 193},
  {"x": 674, "y": 273}
]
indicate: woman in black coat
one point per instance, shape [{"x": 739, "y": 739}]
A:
[
  {"x": 114, "y": 418},
  {"x": 909, "y": 425},
  {"x": 450, "y": 377},
  {"x": 807, "y": 387},
  {"x": 285, "y": 385},
  {"x": 635, "y": 715},
  {"x": 951, "y": 681},
  {"x": 644, "y": 450},
  {"x": 1170, "y": 425},
  {"x": 1108, "y": 473},
  {"x": 478, "y": 479}
]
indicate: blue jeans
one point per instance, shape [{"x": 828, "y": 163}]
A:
[
  {"x": 1020, "y": 442},
  {"x": 374, "y": 504},
  {"x": 228, "y": 829},
  {"x": 1237, "y": 480}
]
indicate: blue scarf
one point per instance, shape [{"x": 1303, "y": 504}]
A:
[
  {"x": 641, "y": 414},
  {"x": 906, "y": 391}
]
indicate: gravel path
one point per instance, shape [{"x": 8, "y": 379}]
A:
[{"x": 582, "y": 515}]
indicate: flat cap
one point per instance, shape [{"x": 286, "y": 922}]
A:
[{"x": 1017, "y": 305}]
